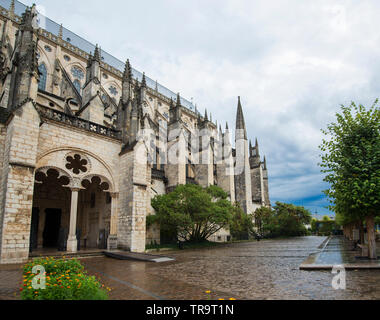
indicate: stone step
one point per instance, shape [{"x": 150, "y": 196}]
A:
[
  {"x": 125, "y": 255},
  {"x": 77, "y": 255}
]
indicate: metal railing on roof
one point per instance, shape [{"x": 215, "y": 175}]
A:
[{"x": 69, "y": 36}]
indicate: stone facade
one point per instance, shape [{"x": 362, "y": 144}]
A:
[{"x": 84, "y": 147}]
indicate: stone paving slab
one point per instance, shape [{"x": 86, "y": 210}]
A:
[{"x": 337, "y": 251}]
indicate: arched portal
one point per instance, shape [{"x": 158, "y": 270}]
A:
[
  {"x": 51, "y": 208},
  {"x": 71, "y": 213},
  {"x": 94, "y": 212}
]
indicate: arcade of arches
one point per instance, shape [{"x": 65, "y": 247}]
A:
[{"x": 71, "y": 215}]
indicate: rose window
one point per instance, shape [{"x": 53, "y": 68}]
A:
[{"x": 76, "y": 164}]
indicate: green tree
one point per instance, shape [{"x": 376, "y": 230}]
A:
[
  {"x": 263, "y": 220},
  {"x": 351, "y": 160},
  {"x": 283, "y": 220},
  {"x": 241, "y": 226},
  {"x": 192, "y": 212},
  {"x": 314, "y": 225}
]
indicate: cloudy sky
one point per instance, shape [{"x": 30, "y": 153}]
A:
[{"x": 293, "y": 63}]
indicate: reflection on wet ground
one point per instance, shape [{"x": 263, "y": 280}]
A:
[
  {"x": 339, "y": 251},
  {"x": 255, "y": 270}
]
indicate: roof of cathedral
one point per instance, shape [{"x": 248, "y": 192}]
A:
[{"x": 69, "y": 36}]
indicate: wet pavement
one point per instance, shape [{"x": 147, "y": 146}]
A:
[
  {"x": 253, "y": 270},
  {"x": 340, "y": 251}
]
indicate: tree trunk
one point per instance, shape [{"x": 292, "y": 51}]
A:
[
  {"x": 352, "y": 226},
  {"x": 361, "y": 232},
  {"x": 371, "y": 237}
]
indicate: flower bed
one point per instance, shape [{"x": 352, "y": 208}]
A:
[{"x": 65, "y": 279}]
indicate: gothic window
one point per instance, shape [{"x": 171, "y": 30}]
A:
[
  {"x": 76, "y": 164},
  {"x": 67, "y": 58},
  {"x": 77, "y": 73},
  {"x": 113, "y": 90},
  {"x": 48, "y": 49},
  {"x": 43, "y": 77},
  {"x": 77, "y": 85},
  {"x": 105, "y": 76}
]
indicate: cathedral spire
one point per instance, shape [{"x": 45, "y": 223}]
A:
[
  {"x": 143, "y": 81},
  {"x": 178, "y": 100},
  {"x": 240, "y": 123},
  {"x": 206, "y": 116},
  {"x": 175, "y": 110},
  {"x": 265, "y": 163},
  {"x": 257, "y": 148},
  {"x": 199, "y": 120},
  {"x": 127, "y": 75},
  {"x": 60, "y": 33},
  {"x": 126, "y": 83},
  {"x": 28, "y": 21},
  {"x": 97, "y": 54},
  {"x": 136, "y": 88},
  {"x": 11, "y": 11}
]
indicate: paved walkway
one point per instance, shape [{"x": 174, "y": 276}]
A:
[
  {"x": 255, "y": 270},
  {"x": 339, "y": 251},
  {"x": 10, "y": 279}
]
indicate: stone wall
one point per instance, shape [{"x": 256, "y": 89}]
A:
[
  {"x": 243, "y": 186},
  {"x": 17, "y": 183},
  {"x": 3, "y": 132},
  {"x": 223, "y": 235},
  {"x": 176, "y": 168},
  {"x": 125, "y": 201},
  {"x": 266, "y": 188},
  {"x": 134, "y": 182},
  {"x": 257, "y": 185},
  {"x": 153, "y": 233},
  {"x": 55, "y": 136}
]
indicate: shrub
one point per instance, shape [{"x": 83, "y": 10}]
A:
[{"x": 66, "y": 279}]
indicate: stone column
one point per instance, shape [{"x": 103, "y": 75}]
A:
[
  {"x": 72, "y": 242},
  {"x": 112, "y": 238}
]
